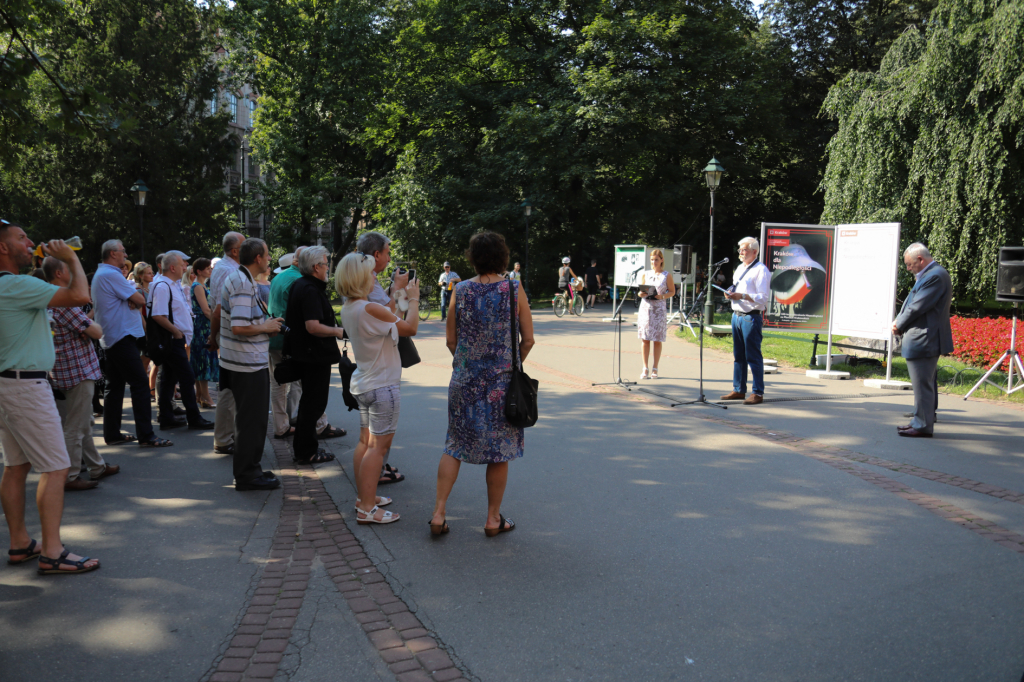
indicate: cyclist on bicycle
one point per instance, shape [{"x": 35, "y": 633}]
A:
[{"x": 565, "y": 278}]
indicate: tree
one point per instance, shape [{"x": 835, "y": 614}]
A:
[
  {"x": 153, "y": 60},
  {"x": 934, "y": 139},
  {"x": 316, "y": 66}
]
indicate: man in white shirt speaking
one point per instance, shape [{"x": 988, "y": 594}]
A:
[{"x": 751, "y": 287}]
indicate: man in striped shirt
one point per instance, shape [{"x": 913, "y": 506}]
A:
[{"x": 245, "y": 332}]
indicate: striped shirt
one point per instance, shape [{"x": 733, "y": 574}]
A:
[{"x": 239, "y": 307}]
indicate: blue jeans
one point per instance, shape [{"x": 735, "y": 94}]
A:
[
  {"x": 746, "y": 350},
  {"x": 445, "y": 295}
]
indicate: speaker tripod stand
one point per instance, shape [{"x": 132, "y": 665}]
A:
[{"x": 1015, "y": 362}]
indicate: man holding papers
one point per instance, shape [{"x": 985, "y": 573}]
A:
[{"x": 749, "y": 295}]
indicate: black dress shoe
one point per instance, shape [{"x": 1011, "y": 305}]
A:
[
  {"x": 179, "y": 412},
  {"x": 173, "y": 423},
  {"x": 914, "y": 433},
  {"x": 224, "y": 449},
  {"x": 261, "y": 483},
  {"x": 201, "y": 425}
]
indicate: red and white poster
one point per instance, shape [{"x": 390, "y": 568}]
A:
[{"x": 800, "y": 260}]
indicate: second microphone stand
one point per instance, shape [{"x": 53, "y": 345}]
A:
[
  {"x": 701, "y": 398},
  {"x": 617, "y": 316}
]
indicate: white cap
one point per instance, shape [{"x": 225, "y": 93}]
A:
[
  {"x": 284, "y": 262},
  {"x": 566, "y": 260},
  {"x": 179, "y": 254}
]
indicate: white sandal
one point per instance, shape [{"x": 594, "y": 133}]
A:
[
  {"x": 644, "y": 375},
  {"x": 370, "y": 518},
  {"x": 384, "y": 501},
  {"x": 654, "y": 373}
]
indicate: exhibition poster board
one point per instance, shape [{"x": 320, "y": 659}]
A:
[
  {"x": 800, "y": 259},
  {"x": 864, "y": 289},
  {"x": 628, "y": 259}
]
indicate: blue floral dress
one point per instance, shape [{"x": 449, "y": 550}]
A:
[
  {"x": 205, "y": 364},
  {"x": 478, "y": 432}
]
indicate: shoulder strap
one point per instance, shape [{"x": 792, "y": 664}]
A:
[
  {"x": 512, "y": 326},
  {"x": 4, "y": 272},
  {"x": 170, "y": 301}
]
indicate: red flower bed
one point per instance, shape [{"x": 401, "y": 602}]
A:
[{"x": 979, "y": 341}]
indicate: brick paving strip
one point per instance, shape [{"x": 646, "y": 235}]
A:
[
  {"x": 843, "y": 460},
  {"x": 311, "y": 525}
]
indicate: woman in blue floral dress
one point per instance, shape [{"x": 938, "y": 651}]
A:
[
  {"x": 204, "y": 362},
  {"x": 479, "y": 337}
]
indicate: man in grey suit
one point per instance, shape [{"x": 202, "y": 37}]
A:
[{"x": 924, "y": 324}]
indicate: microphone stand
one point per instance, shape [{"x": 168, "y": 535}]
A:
[
  {"x": 701, "y": 398},
  {"x": 617, "y": 316}
]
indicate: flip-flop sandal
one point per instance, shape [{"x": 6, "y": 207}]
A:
[
  {"x": 55, "y": 564},
  {"x": 390, "y": 475},
  {"x": 125, "y": 438},
  {"x": 30, "y": 552},
  {"x": 505, "y": 526},
  {"x": 370, "y": 518},
  {"x": 155, "y": 443},
  {"x": 287, "y": 434},
  {"x": 331, "y": 432},
  {"x": 439, "y": 528},
  {"x": 320, "y": 457},
  {"x": 384, "y": 502}
]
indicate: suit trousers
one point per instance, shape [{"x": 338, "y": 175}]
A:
[
  {"x": 251, "y": 391},
  {"x": 924, "y": 376},
  {"x": 177, "y": 370},
  {"x": 124, "y": 366},
  {"x": 76, "y": 418}
]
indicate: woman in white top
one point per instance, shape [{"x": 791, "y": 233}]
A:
[{"x": 373, "y": 330}]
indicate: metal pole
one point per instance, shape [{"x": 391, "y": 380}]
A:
[
  {"x": 142, "y": 242},
  {"x": 709, "y": 301}
]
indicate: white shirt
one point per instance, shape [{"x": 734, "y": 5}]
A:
[
  {"x": 375, "y": 346},
  {"x": 757, "y": 284},
  {"x": 224, "y": 267},
  {"x": 447, "y": 277},
  {"x": 178, "y": 304}
]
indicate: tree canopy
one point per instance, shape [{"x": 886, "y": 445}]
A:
[{"x": 934, "y": 139}]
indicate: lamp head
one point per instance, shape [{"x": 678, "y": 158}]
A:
[
  {"x": 526, "y": 207},
  {"x": 713, "y": 173},
  {"x": 139, "y": 191}
]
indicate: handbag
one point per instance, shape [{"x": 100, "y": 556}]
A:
[
  {"x": 346, "y": 368},
  {"x": 284, "y": 372},
  {"x": 407, "y": 352},
  {"x": 158, "y": 339},
  {"x": 521, "y": 396}
]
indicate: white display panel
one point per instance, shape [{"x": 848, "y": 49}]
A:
[
  {"x": 864, "y": 286},
  {"x": 628, "y": 258}
]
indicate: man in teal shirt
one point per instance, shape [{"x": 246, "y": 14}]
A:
[
  {"x": 30, "y": 426},
  {"x": 284, "y": 398}
]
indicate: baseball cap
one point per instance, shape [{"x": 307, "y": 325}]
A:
[
  {"x": 566, "y": 260},
  {"x": 179, "y": 254},
  {"x": 447, "y": 264}
]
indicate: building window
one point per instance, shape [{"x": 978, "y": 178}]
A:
[
  {"x": 213, "y": 103},
  {"x": 233, "y": 101},
  {"x": 252, "y": 113}
]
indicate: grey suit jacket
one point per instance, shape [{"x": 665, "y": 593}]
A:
[{"x": 924, "y": 319}]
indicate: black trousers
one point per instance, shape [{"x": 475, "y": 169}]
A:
[
  {"x": 177, "y": 370},
  {"x": 316, "y": 384},
  {"x": 252, "y": 403},
  {"x": 124, "y": 366}
]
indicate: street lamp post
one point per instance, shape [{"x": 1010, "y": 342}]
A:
[
  {"x": 139, "y": 192},
  {"x": 526, "y": 245},
  {"x": 713, "y": 173}
]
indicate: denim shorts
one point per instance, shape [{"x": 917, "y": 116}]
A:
[{"x": 379, "y": 408}]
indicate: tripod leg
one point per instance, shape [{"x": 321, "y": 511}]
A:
[{"x": 988, "y": 373}]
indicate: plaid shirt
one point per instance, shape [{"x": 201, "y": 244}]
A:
[{"x": 76, "y": 360}]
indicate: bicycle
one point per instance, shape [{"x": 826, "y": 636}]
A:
[
  {"x": 570, "y": 300},
  {"x": 426, "y": 302}
]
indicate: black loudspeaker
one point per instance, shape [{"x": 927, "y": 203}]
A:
[
  {"x": 681, "y": 257},
  {"x": 1010, "y": 274}
]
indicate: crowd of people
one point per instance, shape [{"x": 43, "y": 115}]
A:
[{"x": 69, "y": 349}]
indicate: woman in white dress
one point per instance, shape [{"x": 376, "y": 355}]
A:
[{"x": 652, "y": 324}]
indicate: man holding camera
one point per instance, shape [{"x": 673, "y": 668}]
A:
[
  {"x": 245, "y": 332},
  {"x": 447, "y": 282}
]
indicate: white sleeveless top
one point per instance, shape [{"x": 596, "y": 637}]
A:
[{"x": 375, "y": 346}]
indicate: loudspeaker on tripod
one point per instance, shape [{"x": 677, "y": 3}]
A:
[
  {"x": 681, "y": 259},
  {"x": 1010, "y": 274}
]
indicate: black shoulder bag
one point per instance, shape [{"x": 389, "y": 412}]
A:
[
  {"x": 521, "y": 396},
  {"x": 158, "y": 339}
]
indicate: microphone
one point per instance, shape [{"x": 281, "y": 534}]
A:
[
  {"x": 641, "y": 268},
  {"x": 721, "y": 262}
]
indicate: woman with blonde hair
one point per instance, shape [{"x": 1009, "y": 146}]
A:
[
  {"x": 652, "y": 323},
  {"x": 479, "y": 336},
  {"x": 373, "y": 330}
]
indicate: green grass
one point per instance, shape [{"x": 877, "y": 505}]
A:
[{"x": 792, "y": 350}]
